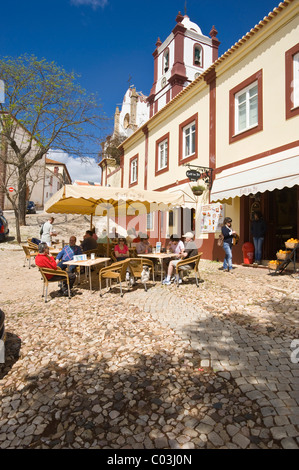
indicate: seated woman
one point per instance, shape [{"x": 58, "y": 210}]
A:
[
  {"x": 121, "y": 250},
  {"x": 175, "y": 244}
]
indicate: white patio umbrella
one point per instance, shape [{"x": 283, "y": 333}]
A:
[{"x": 102, "y": 200}]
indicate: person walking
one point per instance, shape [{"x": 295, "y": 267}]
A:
[
  {"x": 48, "y": 232},
  {"x": 258, "y": 230},
  {"x": 228, "y": 234}
]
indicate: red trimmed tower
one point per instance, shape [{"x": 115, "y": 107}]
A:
[{"x": 180, "y": 59}]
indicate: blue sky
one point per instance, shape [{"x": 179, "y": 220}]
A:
[{"x": 108, "y": 41}]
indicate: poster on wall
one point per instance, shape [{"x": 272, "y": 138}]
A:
[{"x": 211, "y": 217}]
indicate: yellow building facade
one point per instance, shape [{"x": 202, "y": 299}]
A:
[{"x": 237, "y": 124}]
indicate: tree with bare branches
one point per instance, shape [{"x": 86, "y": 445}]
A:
[{"x": 44, "y": 108}]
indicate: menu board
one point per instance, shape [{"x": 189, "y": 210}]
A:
[{"x": 211, "y": 217}]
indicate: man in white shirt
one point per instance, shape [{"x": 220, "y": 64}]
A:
[{"x": 48, "y": 232}]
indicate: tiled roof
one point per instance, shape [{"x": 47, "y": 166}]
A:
[
  {"x": 86, "y": 183},
  {"x": 54, "y": 162}
]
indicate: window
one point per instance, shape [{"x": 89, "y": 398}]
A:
[
  {"x": 162, "y": 154},
  {"x": 245, "y": 108},
  {"x": 166, "y": 61},
  {"x": 188, "y": 136},
  {"x": 198, "y": 55},
  {"x": 126, "y": 121},
  {"x": 133, "y": 170},
  {"x": 292, "y": 81},
  {"x": 189, "y": 140},
  {"x": 149, "y": 221},
  {"x": 296, "y": 79},
  {"x": 246, "y": 102}
]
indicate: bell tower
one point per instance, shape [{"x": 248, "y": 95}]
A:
[{"x": 179, "y": 60}]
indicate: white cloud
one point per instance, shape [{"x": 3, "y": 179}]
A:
[
  {"x": 87, "y": 170},
  {"x": 93, "y": 3}
]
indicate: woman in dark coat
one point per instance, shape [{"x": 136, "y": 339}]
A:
[
  {"x": 258, "y": 230},
  {"x": 228, "y": 235}
]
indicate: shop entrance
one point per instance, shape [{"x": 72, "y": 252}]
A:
[{"x": 280, "y": 211}]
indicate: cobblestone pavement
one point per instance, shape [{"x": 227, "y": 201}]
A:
[{"x": 184, "y": 368}]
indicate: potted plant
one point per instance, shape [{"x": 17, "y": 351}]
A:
[{"x": 198, "y": 189}]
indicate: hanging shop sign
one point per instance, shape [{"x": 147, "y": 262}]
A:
[{"x": 193, "y": 175}]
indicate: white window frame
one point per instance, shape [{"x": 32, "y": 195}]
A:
[
  {"x": 189, "y": 134},
  {"x": 296, "y": 79},
  {"x": 247, "y": 102},
  {"x": 163, "y": 155},
  {"x": 133, "y": 170}
]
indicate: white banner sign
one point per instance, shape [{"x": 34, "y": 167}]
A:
[{"x": 211, "y": 218}]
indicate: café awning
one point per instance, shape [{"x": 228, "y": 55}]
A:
[
  {"x": 265, "y": 174},
  {"x": 99, "y": 200}
]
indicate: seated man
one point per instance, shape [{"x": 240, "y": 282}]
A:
[
  {"x": 89, "y": 243},
  {"x": 67, "y": 253},
  {"x": 44, "y": 260},
  {"x": 190, "y": 250},
  {"x": 103, "y": 237},
  {"x": 143, "y": 246}
]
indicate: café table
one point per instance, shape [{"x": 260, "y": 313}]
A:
[
  {"x": 88, "y": 263},
  {"x": 160, "y": 257}
]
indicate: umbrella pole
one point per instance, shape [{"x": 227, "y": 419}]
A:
[
  {"x": 91, "y": 222},
  {"x": 108, "y": 231},
  {"x": 159, "y": 224}
]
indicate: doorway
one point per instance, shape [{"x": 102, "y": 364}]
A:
[
  {"x": 282, "y": 215},
  {"x": 280, "y": 211}
]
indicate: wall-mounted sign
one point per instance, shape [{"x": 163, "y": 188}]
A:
[{"x": 193, "y": 175}]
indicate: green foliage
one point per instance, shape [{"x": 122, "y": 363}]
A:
[
  {"x": 45, "y": 108},
  {"x": 198, "y": 187},
  {"x": 48, "y": 102}
]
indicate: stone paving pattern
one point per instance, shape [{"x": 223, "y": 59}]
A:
[{"x": 171, "y": 368}]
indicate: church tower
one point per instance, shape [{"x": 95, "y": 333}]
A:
[{"x": 181, "y": 58}]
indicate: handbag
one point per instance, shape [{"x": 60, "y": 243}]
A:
[
  {"x": 220, "y": 240},
  {"x": 236, "y": 239}
]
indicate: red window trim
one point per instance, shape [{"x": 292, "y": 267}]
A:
[
  {"x": 163, "y": 170},
  {"x": 136, "y": 157},
  {"x": 291, "y": 111},
  {"x": 181, "y": 141},
  {"x": 258, "y": 76}
]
